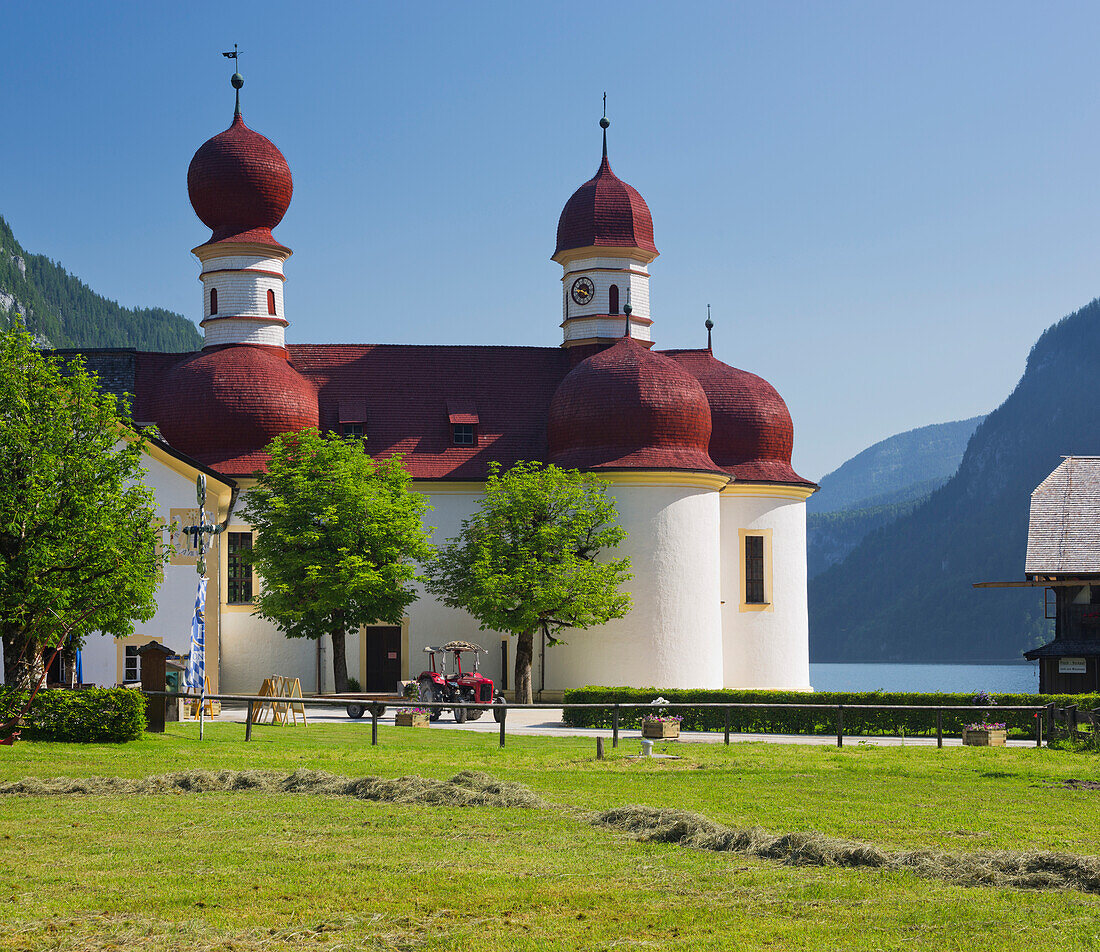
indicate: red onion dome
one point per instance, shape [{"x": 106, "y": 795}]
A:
[
  {"x": 606, "y": 212},
  {"x": 226, "y": 402},
  {"x": 239, "y": 185},
  {"x": 628, "y": 407},
  {"x": 752, "y": 434}
]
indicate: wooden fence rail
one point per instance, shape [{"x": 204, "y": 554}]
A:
[
  {"x": 1067, "y": 723},
  {"x": 1071, "y": 717}
]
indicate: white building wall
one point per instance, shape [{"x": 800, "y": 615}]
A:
[
  {"x": 631, "y": 277},
  {"x": 231, "y": 331},
  {"x": 766, "y": 649}
]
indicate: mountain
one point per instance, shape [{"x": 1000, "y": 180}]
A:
[
  {"x": 881, "y": 484},
  {"x": 904, "y": 593},
  {"x": 62, "y": 311},
  {"x": 896, "y": 469}
]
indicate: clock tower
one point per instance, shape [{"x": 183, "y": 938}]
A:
[{"x": 605, "y": 245}]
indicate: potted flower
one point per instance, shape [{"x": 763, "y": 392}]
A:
[
  {"x": 985, "y": 734},
  {"x": 411, "y": 717},
  {"x": 660, "y": 725}
]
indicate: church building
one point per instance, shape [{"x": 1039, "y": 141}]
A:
[{"x": 697, "y": 452}]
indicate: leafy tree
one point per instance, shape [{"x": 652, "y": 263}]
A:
[
  {"x": 528, "y": 559},
  {"x": 78, "y": 537},
  {"x": 339, "y": 539}
]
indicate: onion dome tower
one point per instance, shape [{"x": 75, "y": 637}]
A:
[
  {"x": 240, "y": 187},
  {"x": 223, "y": 405},
  {"x": 605, "y": 245},
  {"x": 630, "y": 408}
]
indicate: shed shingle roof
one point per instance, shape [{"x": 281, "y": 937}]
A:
[{"x": 1063, "y": 534}]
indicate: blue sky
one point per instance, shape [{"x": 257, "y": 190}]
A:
[{"x": 884, "y": 203}]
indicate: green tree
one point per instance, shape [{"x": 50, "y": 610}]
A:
[
  {"x": 529, "y": 559},
  {"x": 78, "y": 533},
  {"x": 339, "y": 539}
]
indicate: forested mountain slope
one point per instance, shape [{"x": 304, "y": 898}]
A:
[
  {"x": 904, "y": 593},
  {"x": 62, "y": 311},
  {"x": 881, "y": 484}
]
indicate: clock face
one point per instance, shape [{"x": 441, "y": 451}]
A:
[{"x": 583, "y": 289}]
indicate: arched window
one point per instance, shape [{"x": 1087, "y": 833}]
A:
[
  {"x": 613, "y": 299},
  {"x": 213, "y": 300},
  {"x": 270, "y": 301}
]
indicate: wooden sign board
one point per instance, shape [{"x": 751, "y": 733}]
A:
[{"x": 1072, "y": 666}]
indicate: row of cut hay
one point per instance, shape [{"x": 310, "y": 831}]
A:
[
  {"x": 466, "y": 789},
  {"x": 1023, "y": 870}
]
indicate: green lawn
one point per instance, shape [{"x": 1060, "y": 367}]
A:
[{"x": 251, "y": 870}]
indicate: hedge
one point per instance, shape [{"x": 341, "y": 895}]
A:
[
  {"x": 92, "y": 715},
  {"x": 791, "y": 721}
]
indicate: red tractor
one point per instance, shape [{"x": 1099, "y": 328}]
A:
[{"x": 474, "y": 688}]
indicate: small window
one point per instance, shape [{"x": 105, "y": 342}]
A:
[
  {"x": 613, "y": 299},
  {"x": 352, "y": 430},
  {"x": 464, "y": 434},
  {"x": 131, "y": 665},
  {"x": 213, "y": 300},
  {"x": 239, "y": 588},
  {"x": 270, "y": 301},
  {"x": 754, "y": 570}
]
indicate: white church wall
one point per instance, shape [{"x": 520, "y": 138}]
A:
[
  {"x": 672, "y": 636},
  {"x": 768, "y": 648}
]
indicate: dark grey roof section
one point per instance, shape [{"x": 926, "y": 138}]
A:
[
  {"x": 1065, "y": 649},
  {"x": 1063, "y": 533},
  {"x": 113, "y": 365}
]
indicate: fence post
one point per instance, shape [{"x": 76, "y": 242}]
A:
[
  {"x": 248, "y": 723},
  {"x": 840, "y": 725},
  {"x": 374, "y": 725},
  {"x": 1071, "y": 720},
  {"x": 727, "y": 727},
  {"x": 503, "y": 718},
  {"x": 1050, "y": 722},
  {"x": 599, "y": 748},
  {"x": 615, "y": 727},
  {"x": 939, "y": 727},
  {"x": 1038, "y": 729}
]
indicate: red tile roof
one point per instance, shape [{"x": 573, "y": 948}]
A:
[{"x": 407, "y": 396}]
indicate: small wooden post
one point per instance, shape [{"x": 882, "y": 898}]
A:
[
  {"x": 615, "y": 727},
  {"x": 599, "y": 748},
  {"x": 248, "y": 723},
  {"x": 503, "y": 718},
  {"x": 727, "y": 727},
  {"x": 1071, "y": 720},
  {"x": 840, "y": 725},
  {"x": 1050, "y": 722},
  {"x": 374, "y": 725},
  {"x": 939, "y": 728},
  {"x": 1038, "y": 729}
]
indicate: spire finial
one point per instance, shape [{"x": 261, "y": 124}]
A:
[
  {"x": 237, "y": 80},
  {"x": 627, "y": 310},
  {"x": 604, "y": 123},
  {"x": 709, "y": 326}
]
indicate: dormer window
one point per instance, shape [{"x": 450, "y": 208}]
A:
[
  {"x": 270, "y": 301},
  {"x": 353, "y": 419},
  {"x": 352, "y": 431},
  {"x": 213, "y": 300},
  {"x": 462, "y": 415}
]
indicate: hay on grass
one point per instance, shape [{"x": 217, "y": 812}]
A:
[
  {"x": 467, "y": 789},
  {"x": 1022, "y": 870}
]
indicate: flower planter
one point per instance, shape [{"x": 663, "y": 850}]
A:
[
  {"x": 411, "y": 720},
  {"x": 985, "y": 738},
  {"x": 660, "y": 730}
]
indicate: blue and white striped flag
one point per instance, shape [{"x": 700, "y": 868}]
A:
[{"x": 196, "y": 665}]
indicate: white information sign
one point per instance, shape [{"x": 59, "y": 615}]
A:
[{"x": 1071, "y": 666}]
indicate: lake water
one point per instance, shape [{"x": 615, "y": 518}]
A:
[{"x": 953, "y": 678}]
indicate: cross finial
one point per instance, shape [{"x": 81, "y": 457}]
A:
[
  {"x": 709, "y": 326},
  {"x": 604, "y": 123},
  {"x": 238, "y": 79}
]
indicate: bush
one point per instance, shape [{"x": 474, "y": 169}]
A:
[
  {"x": 354, "y": 685},
  {"x": 1020, "y": 724},
  {"x": 93, "y": 716}
]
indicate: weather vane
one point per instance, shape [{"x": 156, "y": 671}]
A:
[
  {"x": 604, "y": 123},
  {"x": 709, "y": 325},
  {"x": 238, "y": 79}
]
